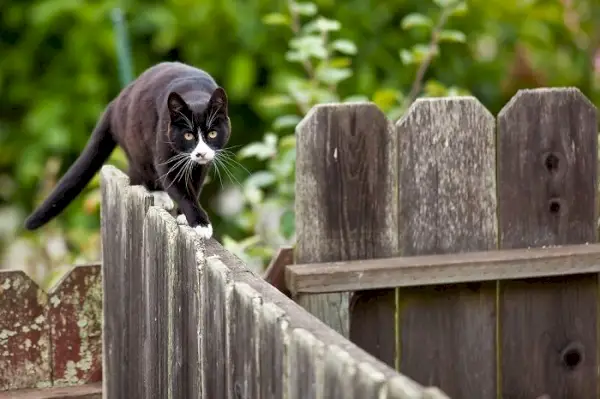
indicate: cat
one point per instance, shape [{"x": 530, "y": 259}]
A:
[{"x": 171, "y": 122}]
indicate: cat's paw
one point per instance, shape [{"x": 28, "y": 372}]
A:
[
  {"x": 163, "y": 200},
  {"x": 181, "y": 219},
  {"x": 204, "y": 231}
]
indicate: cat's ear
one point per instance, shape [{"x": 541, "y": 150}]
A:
[
  {"x": 177, "y": 106},
  {"x": 218, "y": 101}
]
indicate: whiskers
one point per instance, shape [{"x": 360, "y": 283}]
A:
[
  {"x": 183, "y": 163},
  {"x": 224, "y": 161}
]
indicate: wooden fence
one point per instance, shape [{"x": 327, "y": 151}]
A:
[
  {"x": 499, "y": 318},
  {"x": 49, "y": 341},
  {"x": 184, "y": 318}
]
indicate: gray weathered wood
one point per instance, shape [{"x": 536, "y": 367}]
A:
[
  {"x": 137, "y": 203},
  {"x": 306, "y": 365},
  {"x": 244, "y": 341},
  {"x": 217, "y": 286},
  {"x": 160, "y": 248},
  {"x": 547, "y": 178},
  {"x": 345, "y": 209},
  {"x": 275, "y": 272},
  {"x": 185, "y": 315},
  {"x": 273, "y": 352},
  {"x": 446, "y": 152},
  {"x": 115, "y": 191},
  {"x": 413, "y": 271}
]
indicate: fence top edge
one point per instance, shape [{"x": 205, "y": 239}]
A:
[
  {"x": 521, "y": 94},
  {"x": 421, "y": 105},
  {"x": 19, "y": 273}
]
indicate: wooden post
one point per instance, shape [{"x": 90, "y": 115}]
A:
[
  {"x": 447, "y": 204},
  {"x": 547, "y": 177},
  {"x": 345, "y": 209}
]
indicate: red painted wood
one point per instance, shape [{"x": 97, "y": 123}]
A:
[{"x": 24, "y": 333}]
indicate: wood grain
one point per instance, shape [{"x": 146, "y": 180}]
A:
[
  {"x": 244, "y": 341},
  {"x": 216, "y": 286},
  {"x": 446, "y": 205},
  {"x": 345, "y": 210},
  {"x": 410, "y": 271},
  {"x": 160, "y": 248},
  {"x": 137, "y": 202},
  {"x": 275, "y": 272},
  {"x": 306, "y": 365},
  {"x": 87, "y": 391},
  {"x": 185, "y": 308},
  {"x": 547, "y": 163},
  {"x": 113, "y": 219},
  {"x": 273, "y": 359}
]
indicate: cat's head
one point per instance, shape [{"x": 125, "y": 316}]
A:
[{"x": 199, "y": 130}]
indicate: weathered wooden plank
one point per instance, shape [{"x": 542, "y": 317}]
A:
[
  {"x": 306, "y": 365},
  {"x": 244, "y": 341},
  {"x": 160, "y": 248},
  {"x": 87, "y": 391},
  {"x": 345, "y": 175},
  {"x": 137, "y": 202},
  {"x": 275, "y": 272},
  {"x": 75, "y": 320},
  {"x": 339, "y": 373},
  {"x": 410, "y": 271},
  {"x": 446, "y": 152},
  {"x": 24, "y": 333},
  {"x": 184, "y": 311},
  {"x": 217, "y": 286},
  {"x": 547, "y": 161},
  {"x": 115, "y": 190},
  {"x": 273, "y": 358}
]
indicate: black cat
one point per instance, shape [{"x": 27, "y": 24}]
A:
[{"x": 172, "y": 121}]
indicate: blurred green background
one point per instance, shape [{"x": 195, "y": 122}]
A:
[{"x": 59, "y": 66}]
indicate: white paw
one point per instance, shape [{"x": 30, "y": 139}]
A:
[
  {"x": 204, "y": 231},
  {"x": 181, "y": 219},
  {"x": 163, "y": 200}
]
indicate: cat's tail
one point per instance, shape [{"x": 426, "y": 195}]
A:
[{"x": 96, "y": 152}]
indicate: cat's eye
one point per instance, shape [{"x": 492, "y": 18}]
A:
[
  {"x": 188, "y": 136},
  {"x": 212, "y": 134}
]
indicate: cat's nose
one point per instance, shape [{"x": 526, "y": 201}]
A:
[{"x": 200, "y": 155}]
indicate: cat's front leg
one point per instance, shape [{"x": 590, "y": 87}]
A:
[{"x": 192, "y": 213}]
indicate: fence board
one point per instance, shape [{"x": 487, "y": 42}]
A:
[
  {"x": 547, "y": 163},
  {"x": 447, "y": 204},
  {"x": 244, "y": 341},
  {"x": 185, "y": 310},
  {"x": 160, "y": 239},
  {"x": 345, "y": 210},
  {"x": 24, "y": 333},
  {"x": 75, "y": 320},
  {"x": 115, "y": 189},
  {"x": 137, "y": 202},
  {"x": 216, "y": 287},
  {"x": 272, "y": 361},
  {"x": 306, "y": 365}
]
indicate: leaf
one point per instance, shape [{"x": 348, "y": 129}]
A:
[
  {"x": 459, "y": 10},
  {"x": 454, "y": 36},
  {"x": 322, "y": 24},
  {"x": 414, "y": 20},
  {"x": 445, "y": 3},
  {"x": 276, "y": 18},
  {"x": 333, "y": 75},
  {"x": 306, "y": 8},
  {"x": 385, "y": 98},
  {"x": 286, "y": 121},
  {"x": 257, "y": 150},
  {"x": 260, "y": 179},
  {"x": 406, "y": 57},
  {"x": 344, "y": 46}
]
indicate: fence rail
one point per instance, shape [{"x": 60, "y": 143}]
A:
[
  {"x": 185, "y": 318},
  {"x": 444, "y": 188}
]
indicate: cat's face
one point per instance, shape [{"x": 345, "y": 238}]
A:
[{"x": 201, "y": 132}]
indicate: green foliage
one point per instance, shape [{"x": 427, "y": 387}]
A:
[{"x": 276, "y": 59}]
